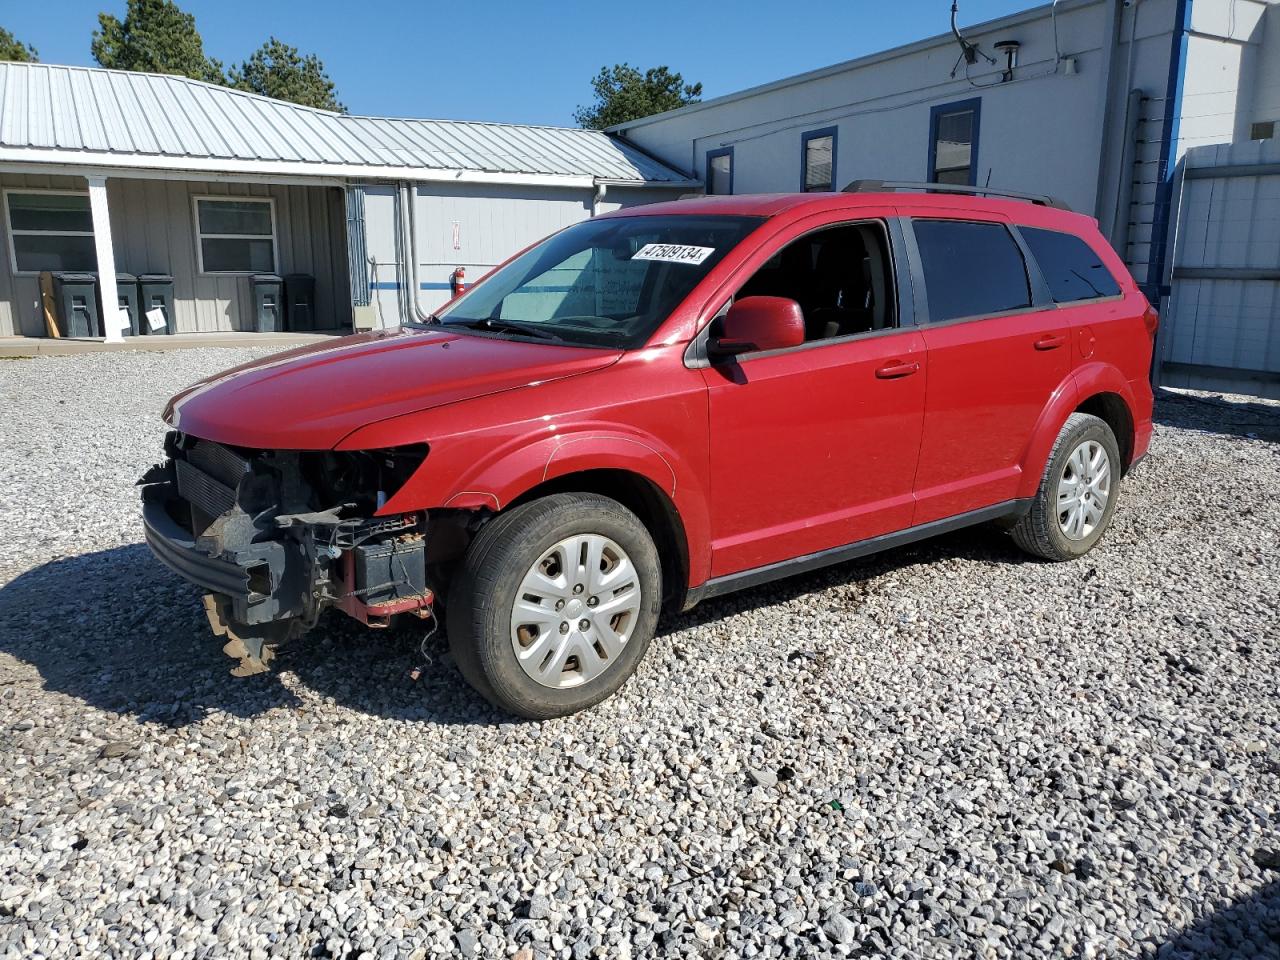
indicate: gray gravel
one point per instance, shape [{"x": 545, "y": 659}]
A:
[{"x": 949, "y": 750}]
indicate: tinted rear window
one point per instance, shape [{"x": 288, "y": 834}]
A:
[
  {"x": 1070, "y": 267},
  {"x": 970, "y": 269}
]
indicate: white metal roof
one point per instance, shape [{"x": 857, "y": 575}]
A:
[{"x": 52, "y": 113}]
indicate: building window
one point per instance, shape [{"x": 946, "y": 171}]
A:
[
  {"x": 50, "y": 230},
  {"x": 1265, "y": 130},
  {"x": 818, "y": 160},
  {"x": 720, "y": 171},
  {"x": 237, "y": 235},
  {"x": 953, "y": 142}
]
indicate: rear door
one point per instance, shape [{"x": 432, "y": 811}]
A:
[{"x": 998, "y": 350}]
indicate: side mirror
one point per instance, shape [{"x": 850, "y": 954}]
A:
[{"x": 756, "y": 324}]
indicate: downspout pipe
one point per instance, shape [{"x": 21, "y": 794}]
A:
[
  {"x": 1156, "y": 288},
  {"x": 1106, "y": 102},
  {"x": 409, "y": 202},
  {"x": 598, "y": 197}
]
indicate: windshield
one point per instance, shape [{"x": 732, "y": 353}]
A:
[{"x": 607, "y": 282}]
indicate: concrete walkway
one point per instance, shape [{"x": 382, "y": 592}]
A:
[{"x": 63, "y": 346}]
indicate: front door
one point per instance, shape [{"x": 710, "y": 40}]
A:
[{"x": 815, "y": 447}]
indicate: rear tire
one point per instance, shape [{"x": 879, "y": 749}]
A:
[
  {"x": 1077, "y": 495},
  {"x": 555, "y": 604}
]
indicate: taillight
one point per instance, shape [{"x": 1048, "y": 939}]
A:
[{"x": 1152, "y": 320}]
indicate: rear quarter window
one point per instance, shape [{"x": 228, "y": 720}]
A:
[
  {"x": 970, "y": 269},
  {"x": 1071, "y": 268}
]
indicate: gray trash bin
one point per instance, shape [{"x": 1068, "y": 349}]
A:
[
  {"x": 300, "y": 301},
  {"x": 155, "y": 291},
  {"x": 77, "y": 298},
  {"x": 267, "y": 302},
  {"x": 127, "y": 300}
]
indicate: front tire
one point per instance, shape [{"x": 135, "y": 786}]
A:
[
  {"x": 1077, "y": 495},
  {"x": 555, "y": 604}
]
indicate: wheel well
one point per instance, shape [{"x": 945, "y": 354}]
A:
[
  {"x": 1111, "y": 408},
  {"x": 648, "y": 502}
]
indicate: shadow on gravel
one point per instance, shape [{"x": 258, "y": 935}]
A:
[
  {"x": 1247, "y": 928},
  {"x": 121, "y": 633},
  {"x": 1236, "y": 418},
  {"x": 984, "y": 544}
]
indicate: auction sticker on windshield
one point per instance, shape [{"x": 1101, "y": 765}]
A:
[{"x": 673, "y": 253}]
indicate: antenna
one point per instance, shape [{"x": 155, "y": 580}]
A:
[{"x": 969, "y": 51}]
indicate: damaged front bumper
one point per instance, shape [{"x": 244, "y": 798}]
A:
[{"x": 244, "y": 526}]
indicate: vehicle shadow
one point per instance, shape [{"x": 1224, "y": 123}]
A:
[
  {"x": 1250, "y": 927},
  {"x": 984, "y": 543},
  {"x": 1234, "y": 417},
  {"x": 118, "y": 631}
]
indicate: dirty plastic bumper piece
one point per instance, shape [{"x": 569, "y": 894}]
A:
[
  {"x": 271, "y": 574},
  {"x": 238, "y": 575}
]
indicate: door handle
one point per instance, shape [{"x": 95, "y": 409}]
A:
[
  {"x": 1051, "y": 342},
  {"x": 892, "y": 371}
]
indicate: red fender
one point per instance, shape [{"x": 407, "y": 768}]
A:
[
  {"x": 516, "y": 471},
  {"x": 1098, "y": 377},
  {"x": 1062, "y": 403},
  {"x": 523, "y": 463},
  {"x": 1087, "y": 381}
]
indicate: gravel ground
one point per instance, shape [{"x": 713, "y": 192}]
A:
[{"x": 949, "y": 750}]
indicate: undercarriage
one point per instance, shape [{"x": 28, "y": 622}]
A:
[{"x": 278, "y": 537}]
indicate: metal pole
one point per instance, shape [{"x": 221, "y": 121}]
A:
[{"x": 111, "y": 314}]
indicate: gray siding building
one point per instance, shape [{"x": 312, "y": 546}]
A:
[{"x": 106, "y": 172}]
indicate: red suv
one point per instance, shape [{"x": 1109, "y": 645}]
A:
[{"x": 658, "y": 406}]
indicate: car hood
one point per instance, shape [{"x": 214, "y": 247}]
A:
[{"x": 312, "y": 397}]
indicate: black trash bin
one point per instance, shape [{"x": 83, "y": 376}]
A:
[
  {"x": 127, "y": 300},
  {"x": 155, "y": 290},
  {"x": 267, "y": 302},
  {"x": 300, "y": 301},
  {"x": 77, "y": 297}
]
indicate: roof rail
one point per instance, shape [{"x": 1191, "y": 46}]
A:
[{"x": 889, "y": 186}]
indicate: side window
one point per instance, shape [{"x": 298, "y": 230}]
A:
[
  {"x": 970, "y": 269},
  {"x": 842, "y": 277},
  {"x": 720, "y": 171},
  {"x": 1070, "y": 267}
]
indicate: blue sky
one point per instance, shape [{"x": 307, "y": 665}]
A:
[{"x": 520, "y": 62}]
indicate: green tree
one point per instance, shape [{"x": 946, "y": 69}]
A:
[
  {"x": 11, "y": 48},
  {"x": 623, "y": 93},
  {"x": 280, "y": 71},
  {"x": 156, "y": 36}
]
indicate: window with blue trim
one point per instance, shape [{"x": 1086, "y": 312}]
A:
[
  {"x": 720, "y": 171},
  {"x": 818, "y": 160},
  {"x": 953, "y": 142}
]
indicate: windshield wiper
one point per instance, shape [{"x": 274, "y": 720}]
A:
[
  {"x": 505, "y": 326},
  {"x": 431, "y": 321}
]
